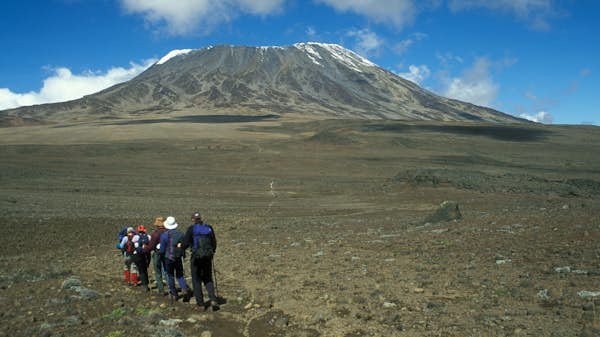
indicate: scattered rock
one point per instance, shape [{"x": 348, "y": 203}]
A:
[
  {"x": 418, "y": 290},
  {"x": 588, "y": 294},
  {"x": 543, "y": 295},
  {"x": 206, "y": 334},
  {"x": 447, "y": 211},
  {"x": 70, "y": 283},
  {"x": 170, "y": 322},
  {"x": 435, "y": 304},
  {"x": 389, "y": 305},
  {"x": 86, "y": 293},
  {"x": 168, "y": 332}
]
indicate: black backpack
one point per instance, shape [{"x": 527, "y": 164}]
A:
[{"x": 203, "y": 245}]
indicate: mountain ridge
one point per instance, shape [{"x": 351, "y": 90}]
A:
[{"x": 308, "y": 79}]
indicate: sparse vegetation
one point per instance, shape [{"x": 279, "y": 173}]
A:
[{"x": 341, "y": 248}]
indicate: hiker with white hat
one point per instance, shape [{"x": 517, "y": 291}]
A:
[
  {"x": 170, "y": 249},
  {"x": 157, "y": 260}
]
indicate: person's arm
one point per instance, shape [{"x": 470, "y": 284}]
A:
[
  {"x": 123, "y": 242},
  {"x": 188, "y": 237}
]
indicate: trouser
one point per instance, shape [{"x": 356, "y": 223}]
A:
[
  {"x": 159, "y": 270},
  {"x": 202, "y": 273},
  {"x": 141, "y": 262},
  {"x": 129, "y": 265},
  {"x": 175, "y": 270}
]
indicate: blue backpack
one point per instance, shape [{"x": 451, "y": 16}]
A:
[
  {"x": 121, "y": 235},
  {"x": 203, "y": 246}
]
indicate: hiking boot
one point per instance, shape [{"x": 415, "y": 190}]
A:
[
  {"x": 187, "y": 295},
  {"x": 173, "y": 298},
  {"x": 215, "y": 305}
]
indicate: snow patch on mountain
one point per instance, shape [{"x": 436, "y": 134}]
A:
[
  {"x": 172, "y": 54},
  {"x": 312, "y": 54}
]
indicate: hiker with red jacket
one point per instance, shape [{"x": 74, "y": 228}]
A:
[
  {"x": 141, "y": 257},
  {"x": 201, "y": 239},
  {"x": 170, "y": 249},
  {"x": 157, "y": 261},
  {"x": 128, "y": 247}
]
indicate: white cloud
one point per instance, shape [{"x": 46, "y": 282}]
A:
[
  {"x": 475, "y": 86},
  {"x": 416, "y": 74},
  {"x": 311, "y": 32},
  {"x": 63, "y": 85},
  {"x": 186, "y": 16},
  {"x": 402, "y": 46},
  {"x": 398, "y": 13},
  {"x": 367, "y": 42},
  {"x": 541, "y": 117},
  {"x": 536, "y": 12}
]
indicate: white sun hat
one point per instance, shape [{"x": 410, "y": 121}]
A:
[{"x": 170, "y": 223}]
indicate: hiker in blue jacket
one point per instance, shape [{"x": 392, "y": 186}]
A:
[
  {"x": 200, "y": 237},
  {"x": 170, "y": 249}
]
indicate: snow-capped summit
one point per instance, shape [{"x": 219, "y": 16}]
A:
[{"x": 172, "y": 54}]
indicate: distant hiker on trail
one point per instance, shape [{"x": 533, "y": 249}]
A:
[
  {"x": 157, "y": 261},
  {"x": 200, "y": 237},
  {"x": 170, "y": 248},
  {"x": 141, "y": 258},
  {"x": 127, "y": 246}
]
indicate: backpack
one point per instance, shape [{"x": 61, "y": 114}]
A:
[
  {"x": 143, "y": 239},
  {"x": 203, "y": 246},
  {"x": 121, "y": 235},
  {"x": 172, "y": 252},
  {"x": 129, "y": 247}
]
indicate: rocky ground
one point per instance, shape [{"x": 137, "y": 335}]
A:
[{"x": 324, "y": 229}]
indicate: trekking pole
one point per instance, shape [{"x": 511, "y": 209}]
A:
[{"x": 215, "y": 278}]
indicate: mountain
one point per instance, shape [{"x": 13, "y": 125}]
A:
[{"x": 308, "y": 79}]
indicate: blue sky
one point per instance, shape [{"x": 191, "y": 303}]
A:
[{"x": 538, "y": 59}]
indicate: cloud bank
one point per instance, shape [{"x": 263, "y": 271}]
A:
[
  {"x": 475, "y": 86},
  {"x": 182, "y": 17},
  {"x": 540, "y": 117},
  {"x": 63, "y": 85},
  {"x": 536, "y": 12},
  {"x": 416, "y": 74},
  {"x": 398, "y": 13}
]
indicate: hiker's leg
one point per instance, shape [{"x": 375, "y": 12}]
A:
[
  {"x": 207, "y": 279},
  {"x": 196, "y": 282},
  {"x": 170, "y": 276},
  {"x": 178, "y": 266},
  {"x": 134, "y": 271},
  {"x": 158, "y": 271},
  {"x": 143, "y": 269},
  {"x": 126, "y": 270}
]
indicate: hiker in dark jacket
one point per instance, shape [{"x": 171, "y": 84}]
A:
[
  {"x": 157, "y": 261},
  {"x": 141, "y": 257},
  {"x": 200, "y": 237},
  {"x": 170, "y": 249}
]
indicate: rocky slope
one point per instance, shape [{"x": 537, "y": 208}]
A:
[{"x": 309, "y": 79}]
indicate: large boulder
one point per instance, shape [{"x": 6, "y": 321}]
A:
[{"x": 447, "y": 211}]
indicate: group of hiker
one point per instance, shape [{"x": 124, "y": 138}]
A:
[{"x": 165, "y": 249}]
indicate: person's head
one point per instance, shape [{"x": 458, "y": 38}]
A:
[
  {"x": 170, "y": 223},
  {"x": 159, "y": 221},
  {"x": 141, "y": 229},
  {"x": 196, "y": 217},
  {"x": 130, "y": 231}
]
